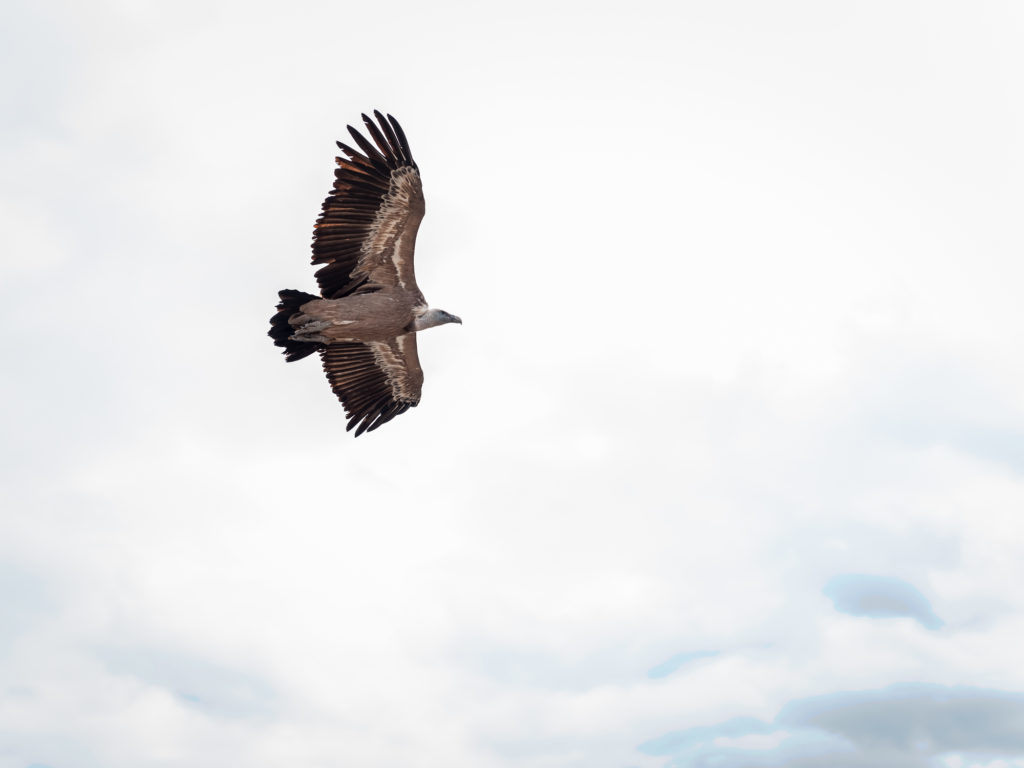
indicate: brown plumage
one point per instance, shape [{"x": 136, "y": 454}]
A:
[{"x": 364, "y": 322}]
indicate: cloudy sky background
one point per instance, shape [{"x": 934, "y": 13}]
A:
[{"x": 725, "y": 467}]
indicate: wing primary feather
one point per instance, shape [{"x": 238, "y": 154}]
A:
[
  {"x": 402, "y": 140},
  {"x": 382, "y": 144},
  {"x": 389, "y": 132},
  {"x": 395, "y": 409},
  {"x": 370, "y": 414},
  {"x": 364, "y": 402},
  {"x": 354, "y": 154},
  {"x": 371, "y": 151}
]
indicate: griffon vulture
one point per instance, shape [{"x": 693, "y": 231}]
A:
[{"x": 365, "y": 320}]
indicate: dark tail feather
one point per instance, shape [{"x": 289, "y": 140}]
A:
[{"x": 280, "y": 330}]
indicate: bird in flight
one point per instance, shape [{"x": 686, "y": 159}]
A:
[{"x": 365, "y": 320}]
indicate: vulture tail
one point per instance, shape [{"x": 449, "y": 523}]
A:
[{"x": 281, "y": 330}]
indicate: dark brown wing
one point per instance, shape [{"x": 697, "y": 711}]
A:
[
  {"x": 376, "y": 380},
  {"x": 366, "y": 234}
]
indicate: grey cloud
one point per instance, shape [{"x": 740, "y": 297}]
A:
[
  {"x": 880, "y": 597},
  {"x": 901, "y": 726},
  {"x": 42, "y": 42},
  {"x": 23, "y": 599},
  {"x": 936, "y": 401},
  {"x": 695, "y": 737},
  {"x": 214, "y": 689},
  {"x": 918, "y": 716},
  {"x": 991, "y": 444},
  {"x": 666, "y": 668}
]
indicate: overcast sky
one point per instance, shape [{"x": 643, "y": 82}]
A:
[{"x": 725, "y": 466}]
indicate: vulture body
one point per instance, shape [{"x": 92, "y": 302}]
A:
[{"x": 364, "y": 322}]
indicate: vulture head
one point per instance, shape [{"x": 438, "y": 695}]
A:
[{"x": 432, "y": 317}]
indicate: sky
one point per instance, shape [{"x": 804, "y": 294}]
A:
[{"x": 725, "y": 466}]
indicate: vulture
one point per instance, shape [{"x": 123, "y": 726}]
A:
[{"x": 365, "y": 320}]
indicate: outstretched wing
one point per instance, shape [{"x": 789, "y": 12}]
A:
[
  {"x": 366, "y": 234},
  {"x": 375, "y": 380}
]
